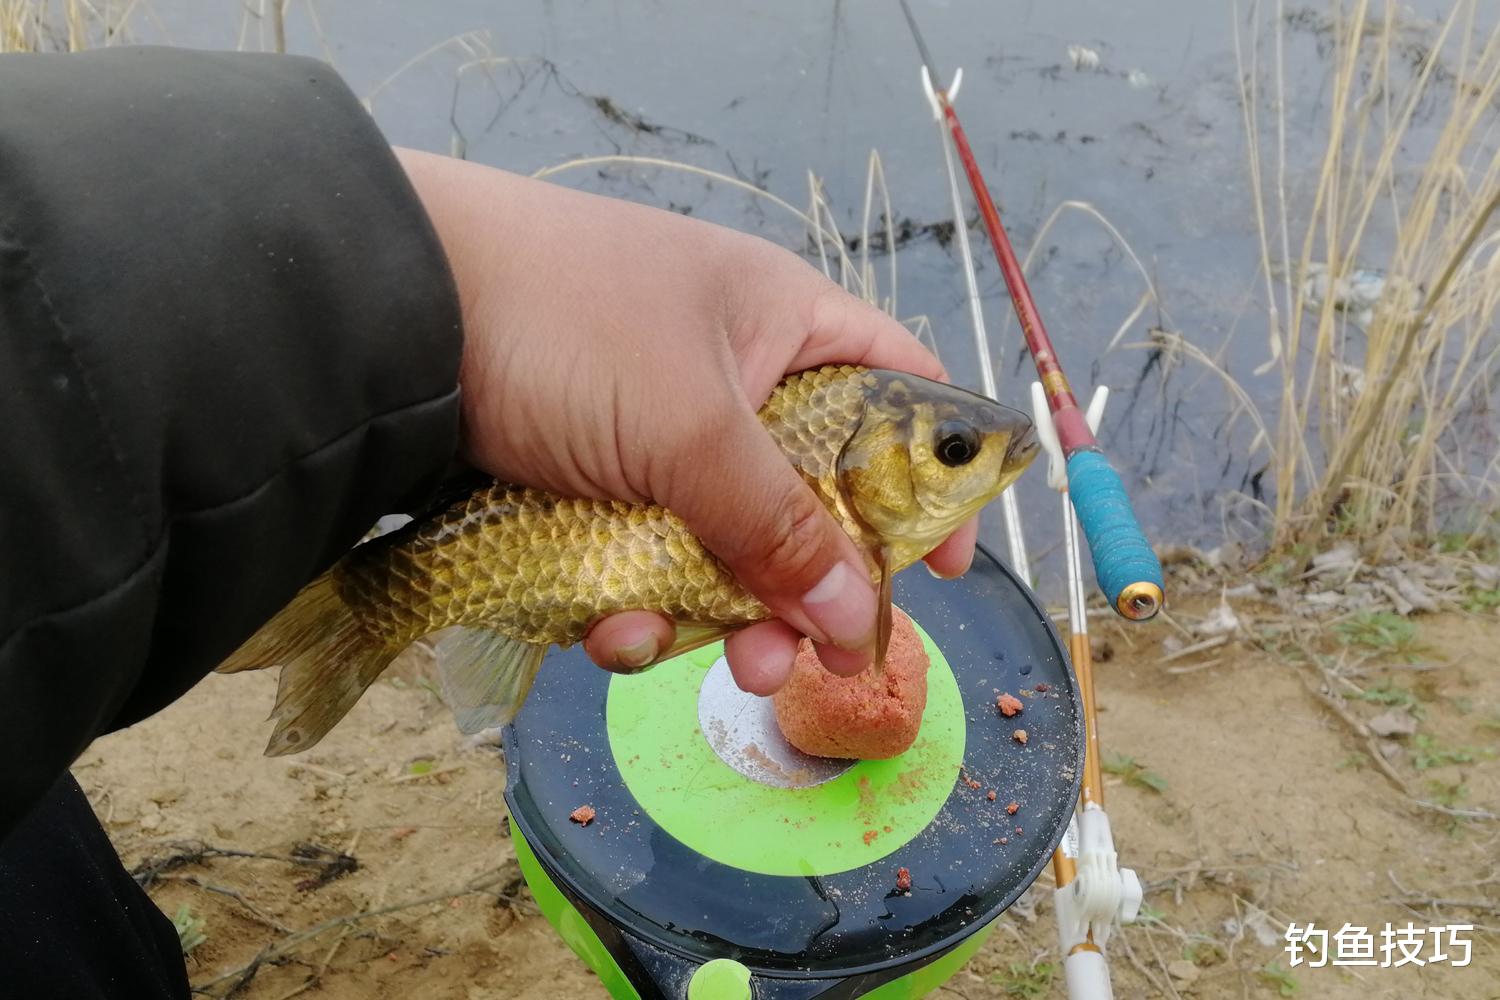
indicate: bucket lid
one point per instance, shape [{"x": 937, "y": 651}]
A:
[{"x": 696, "y": 853}]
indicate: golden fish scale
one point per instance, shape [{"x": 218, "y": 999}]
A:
[
  {"x": 811, "y": 416},
  {"x": 541, "y": 568}
]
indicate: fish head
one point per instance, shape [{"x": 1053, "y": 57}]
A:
[{"x": 925, "y": 457}]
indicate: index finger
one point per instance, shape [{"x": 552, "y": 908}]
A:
[{"x": 848, "y": 330}]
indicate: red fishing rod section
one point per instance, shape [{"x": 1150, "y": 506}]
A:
[
  {"x": 1067, "y": 416},
  {"x": 1125, "y": 566}
]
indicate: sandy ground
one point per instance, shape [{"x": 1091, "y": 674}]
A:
[{"x": 1271, "y": 813}]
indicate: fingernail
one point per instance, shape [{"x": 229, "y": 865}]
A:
[
  {"x": 844, "y": 662},
  {"x": 637, "y": 656},
  {"x": 842, "y": 605},
  {"x": 956, "y": 573}
]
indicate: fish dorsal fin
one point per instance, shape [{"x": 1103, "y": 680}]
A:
[{"x": 484, "y": 675}]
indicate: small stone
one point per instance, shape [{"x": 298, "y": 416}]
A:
[
  {"x": 170, "y": 794},
  {"x": 1393, "y": 722},
  {"x": 1182, "y": 970}
]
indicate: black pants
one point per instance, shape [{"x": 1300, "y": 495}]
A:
[{"x": 73, "y": 923}]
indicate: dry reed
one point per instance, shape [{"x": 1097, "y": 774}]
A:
[{"x": 1372, "y": 436}]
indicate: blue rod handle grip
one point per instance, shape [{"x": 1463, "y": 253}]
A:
[{"x": 1128, "y": 571}]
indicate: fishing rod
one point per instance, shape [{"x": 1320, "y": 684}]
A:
[
  {"x": 1126, "y": 568},
  {"x": 1093, "y": 891}
]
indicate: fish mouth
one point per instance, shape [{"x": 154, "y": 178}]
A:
[
  {"x": 1021, "y": 440},
  {"x": 1024, "y": 444}
]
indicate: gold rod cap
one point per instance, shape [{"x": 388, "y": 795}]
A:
[{"x": 1139, "y": 601}]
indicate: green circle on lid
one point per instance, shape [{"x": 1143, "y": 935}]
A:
[
  {"x": 720, "y": 979},
  {"x": 853, "y": 820}
]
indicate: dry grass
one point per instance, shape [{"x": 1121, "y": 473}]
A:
[
  {"x": 1370, "y": 435},
  {"x": 60, "y": 25}
]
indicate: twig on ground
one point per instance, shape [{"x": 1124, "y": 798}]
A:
[
  {"x": 1194, "y": 668},
  {"x": 195, "y": 852},
  {"x": 1140, "y": 967},
  {"x": 273, "y": 953},
  {"x": 1335, "y": 704},
  {"x": 1459, "y": 813},
  {"x": 1197, "y": 647},
  {"x": 256, "y": 914}
]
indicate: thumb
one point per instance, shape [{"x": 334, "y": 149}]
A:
[{"x": 768, "y": 526}]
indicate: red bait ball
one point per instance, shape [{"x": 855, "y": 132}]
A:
[{"x": 871, "y": 716}]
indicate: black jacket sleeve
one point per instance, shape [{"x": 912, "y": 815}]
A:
[{"x": 229, "y": 341}]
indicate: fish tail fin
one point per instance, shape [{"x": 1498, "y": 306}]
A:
[
  {"x": 312, "y": 617},
  {"x": 328, "y": 660}
]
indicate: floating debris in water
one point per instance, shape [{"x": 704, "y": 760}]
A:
[
  {"x": 1083, "y": 57},
  {"x": 1357, "y": 293},
  {"x": 1351, "y": 378}
]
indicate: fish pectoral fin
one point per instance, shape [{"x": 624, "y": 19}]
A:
[
  {"x": 883, "y": 608},
  {"x": 484, "y": 676},
  {"x": 691, "y": 636}
]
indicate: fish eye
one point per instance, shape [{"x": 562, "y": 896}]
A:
[{"x": 955, "y": 443}]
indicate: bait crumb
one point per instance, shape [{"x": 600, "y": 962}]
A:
[
  {"x": 1003, "y": 841},
  {"x": 870, "y": 836},
  {"x": 1018, "y": 831},
  {"x": 903, "y": 880},
  {"x": 1043, "y": 688},
  {"x": 1019, "y": 736},
  {"x": 990, "y": 795},
  {"x": 964, "y": 775},
  {"x": 583, "y": 815},
  {"x": 1009, "y": 705},
  {"x": 1013, "y": 807}
]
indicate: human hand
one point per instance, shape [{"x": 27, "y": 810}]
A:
[{"x": 618, "y": 351}]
